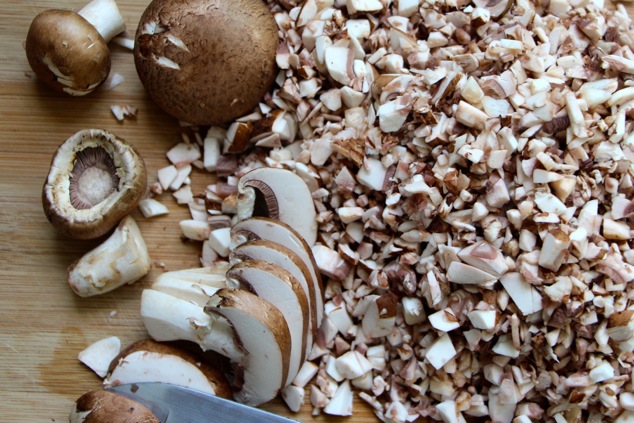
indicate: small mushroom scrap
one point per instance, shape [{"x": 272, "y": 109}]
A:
[
  {"x": 206, "y": 62},
  {"x": 69, "y": 51},
  {"x": 96, "y": 178}
]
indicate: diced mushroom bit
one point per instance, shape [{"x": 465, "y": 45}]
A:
[{"x": 474, "y": 162}]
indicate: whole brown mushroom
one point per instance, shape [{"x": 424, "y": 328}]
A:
[
  {"x": 95, "y": 180},
  {"x": 69, "y": 51},
  {"x": 206, "y": 62}
]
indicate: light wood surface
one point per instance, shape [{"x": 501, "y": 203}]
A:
[{"x": 43, "y": 325}]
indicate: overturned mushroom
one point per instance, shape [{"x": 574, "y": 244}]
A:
[
  {"x": 206, "y": 62},
  {"x": 69, "y": 51},
  {"x": 122, "y": 259},
  {"x": 96, "y": 178},
  {"x": 279, "y": 194}
]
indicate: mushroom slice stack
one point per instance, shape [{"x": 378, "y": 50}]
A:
[
  {"x": 279, "y": 194},
  {"x": 151, "y": 361},
  {"x": 96, "y": 178},
  {"x": 265, "y": 342},
  {"x": 172, "y": 309},
  {"x": 263, "y": 308},
  {"x": 276, "y": 254},
  {"x": 267, "y": 229},
  {"x": 193, "y": 285},
  {"x": 276, "y": 285},
  {"x": 251, "y": 332}
]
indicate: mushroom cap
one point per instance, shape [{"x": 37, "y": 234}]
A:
[
  {"x": 127, "y": 176},
  {"x": 67, "y": 52},
  {"x": 206, "y": 62}
]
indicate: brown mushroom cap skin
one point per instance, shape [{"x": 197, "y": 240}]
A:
[
  {"x": 221, "y": 65},
  {"x": 66, "y": 52},
  {"x": 99, "y": 406},
  {"x": 101, "y": 218}
]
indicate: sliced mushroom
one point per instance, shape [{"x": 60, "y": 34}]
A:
[
  {"x": 279, "y": 194},
  {"x": 169, "y": 318},
  {"x": 282, "y": 234},
  {"x": 276, "y": 285},
  {"x": 96, "y": 178},
  {"x": 194, "y": 285},
  {"x": 99, "y": 406},
  {"x": 264, "y": 338},
  {"x": 237, "y": 324},
  {"x": 151, "y": 361},
  {"x": 122, "y": 259},
  {"x": 69, "y": 51},
  {"x": 206, "y": 62},
  {"x": 279, "y": 255}
]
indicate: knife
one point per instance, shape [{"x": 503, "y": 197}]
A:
[{"x": 177, "y": 404}]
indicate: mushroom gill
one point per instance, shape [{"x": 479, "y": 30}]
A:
[{"x": 93, "y": 178}]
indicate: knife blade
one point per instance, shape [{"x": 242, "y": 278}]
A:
[{"x": 177, "y": 404}]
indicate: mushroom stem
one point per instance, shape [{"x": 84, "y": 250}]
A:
[
  {"x": 105, "y": 16},
  {"x": 122, "y": 259}
]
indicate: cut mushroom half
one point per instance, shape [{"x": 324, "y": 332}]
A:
[
  {"x": 273, "y": 230},
  {"x": 151, "y": 361},
  {"x": 279, "y": 194},
  {"x": 122, "y": 259},
  {"x": 276, "y": 254},
  {"x": 95, "y": 179},
  {"x": 99, "y": 406},
  {"x": 276, "y": 285},
  {"x": 265, "y": 340}
]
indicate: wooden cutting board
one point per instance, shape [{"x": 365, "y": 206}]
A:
[{"x": 43, "y": 325}]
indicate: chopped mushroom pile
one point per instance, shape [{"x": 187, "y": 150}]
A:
[{"x": 471, "y": 167}]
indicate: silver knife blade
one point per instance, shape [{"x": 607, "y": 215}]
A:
[{"x": 177, "y": 404}]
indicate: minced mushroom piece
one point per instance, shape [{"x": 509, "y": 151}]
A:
[{"x": 474, "y": 161}]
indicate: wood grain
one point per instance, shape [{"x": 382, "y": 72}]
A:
[{"x": 43, "y": 325}]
